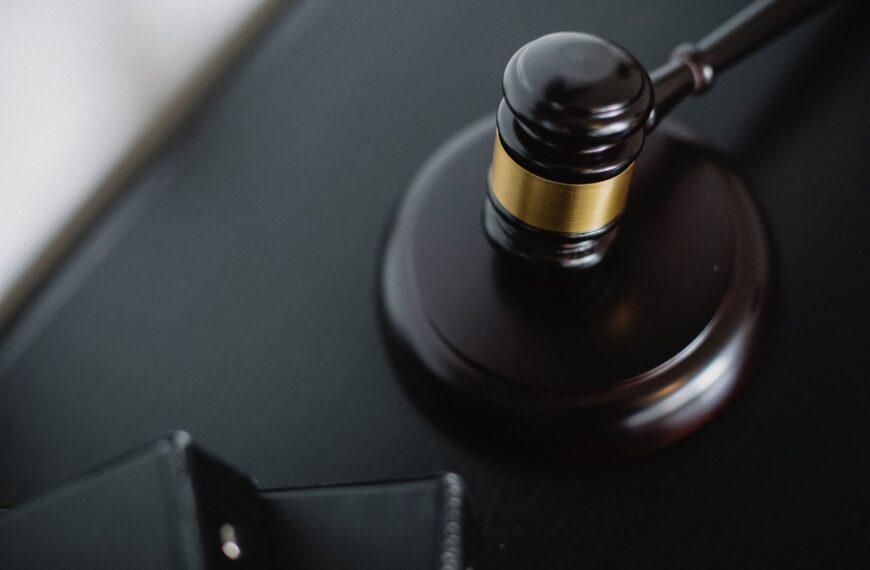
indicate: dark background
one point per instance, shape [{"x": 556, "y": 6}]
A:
[{"x": 231, "y": 291}]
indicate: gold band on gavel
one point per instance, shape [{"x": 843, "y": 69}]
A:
[{"x": 556, "y": 206}]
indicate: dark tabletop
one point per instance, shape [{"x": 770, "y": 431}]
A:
[{"x": 231, "y": 291}]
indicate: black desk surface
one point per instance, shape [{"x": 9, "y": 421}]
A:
[{"x": 228, "y": 294}]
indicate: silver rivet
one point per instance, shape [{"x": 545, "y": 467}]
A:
[{"x": 229, "y": 543}]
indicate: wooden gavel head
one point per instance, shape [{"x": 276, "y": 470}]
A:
[{"x": 569, "y": 130}]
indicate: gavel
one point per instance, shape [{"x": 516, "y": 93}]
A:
[{"x": 599, "y": 273}]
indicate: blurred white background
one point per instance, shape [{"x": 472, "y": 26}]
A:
[{"x": 89, "y": 87}]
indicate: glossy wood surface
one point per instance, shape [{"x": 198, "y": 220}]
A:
[
  {"x": 574, "y": 107},
  {"x": 233, "y": 292}
]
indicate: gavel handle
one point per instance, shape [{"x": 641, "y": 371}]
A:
[{"x": 693, "y": 67}]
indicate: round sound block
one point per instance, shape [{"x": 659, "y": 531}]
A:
[{"x": 619, "y": 359}]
